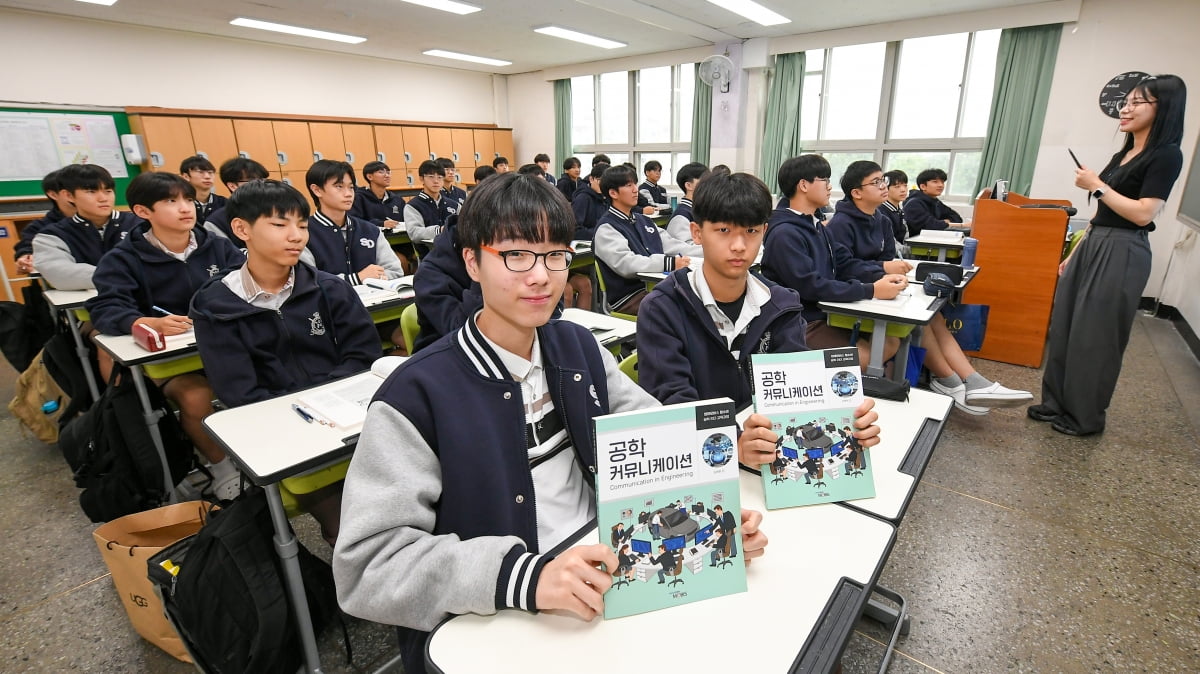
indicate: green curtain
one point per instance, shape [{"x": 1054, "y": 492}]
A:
[
  {"x": 781, "y": 137},
  {"x": 1024, "y": 69},
  {"x": 701, "y": 120},
  {"x": 562, "y": 123}
]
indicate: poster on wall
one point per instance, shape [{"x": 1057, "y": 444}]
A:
[{"x": 37, "y": 143}]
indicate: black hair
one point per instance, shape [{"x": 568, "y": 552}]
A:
[
  {"x": 856, "y": 173},
  {"x": 532, "y": 168},
  {"x": 445, "y": 162},
  {"x": 241, "y": 169},
  {"x": 805, "y": 167},
  {"x": 151, "y": 187},
  {"x": 652, "y": 165},
  {"x": 1170, "y": 96},
  {"x": 896, "y": 176},
  {"x": 85, "y": 177},
  {"x": 616, "y": 177},
  {"x": 517, "y": 206},
  {"x": 498, "y": 161},
  {"x": 374, "y": 167},
  {"x": 324, "y": 170},
  {"x": 598, "y": 170},
  {"x": 570, "y": 163},
  {"x": 689, "y": 172},
  {"x": 721, "y": 168},
  {"x": 266, "y": 199},
  {"x": 738, "y": 199},
  {"x": 601, "y": 159},
  {"x": 482, "y": 172},
  {"x": 196, "y": 163},
  {"x": 430, "y": 167},
  {"x": 51, "y": 182},
  {"x": 931, "y": 174},
  {"x": 541, "y": 156}
]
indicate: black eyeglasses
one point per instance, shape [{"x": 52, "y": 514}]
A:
[
  {"x": 523, "y": 260},
  {"x": 881, "y": 181}
]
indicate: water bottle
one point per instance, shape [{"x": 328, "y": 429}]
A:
[
  {"x": 50, "y": 407},
  {"x": 969, "y": 247}
]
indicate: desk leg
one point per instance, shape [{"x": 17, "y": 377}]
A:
[
  {"x": 287, "y": 545},
  {"x": 878, "y": 339},
  {"x": 941, "y": 254},
  {"x": 894, "y": 618},
  {"x": 900, "y": 369},
  {"x": 151, "y": 418},
  {"x": 82, "y": 352}
]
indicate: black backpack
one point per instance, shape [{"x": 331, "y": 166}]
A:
[
  {"x": 113, "y": 457},
  {"x": 24, "y": 328},
  {"x": 228, "y": 599}
]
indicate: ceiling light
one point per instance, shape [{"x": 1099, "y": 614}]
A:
[
  {"x": 446, "y": 6},
  {"x": 442, "y": 53},
  {"x": 576, "y": 36},
  {"x": 295, "y": 30},
  {"x": 108, "y": 3},
  {"x": 753, "y": 11}
]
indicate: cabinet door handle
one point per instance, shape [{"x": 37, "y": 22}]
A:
[
  {"x": 243, "y": 154},
  {"x": 156, "y": 159},
  {"x": 477, "y": 157},
  {"x": 381, "y": 156},
  {"x": 317, "y": 156},
  {"x": 349, "y": 157},
  {"x": 201, "y": 153},
  {"x": 282, "y": 157},
  {"x": 407, "y": 158},
  {"x": 454, "y": 156}
]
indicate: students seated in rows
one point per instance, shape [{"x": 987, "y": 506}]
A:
[
  {"x": 543, "y": 160},
  {"x": 570, "y": 183},
  {"x": 627, "y": 243},
  {"x": 201, "y": 174},
  {"x": 62, "y": 209},
  {"x": 273, "y": 326},
  {"x": 451, "y": 507},
  {"x": 589, "y": 205},
  {"x": 66, "y": 252},
  {"x": 680, "y": 224},
  {"x": 654, "y": 194},
  {"x": 924, "y": 210},
  {"x": 234, "y": 173},
  {"x": 800, "y": 254},
  {"x": 373, "y": 201},
  {"x": 501, "y": 165},
  {"x": 453, "y": 196},
  {"x": 893, "y": 206},
  {"x": 423, "y": 214},
  {"x": 866, "y": 233},
  {"x": 149, "y": 278}
]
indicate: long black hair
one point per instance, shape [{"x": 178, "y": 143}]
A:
[{"x": 1169, "y": 94}]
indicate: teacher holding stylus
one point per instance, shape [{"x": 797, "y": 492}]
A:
[{"x": 1103, "y": 277}]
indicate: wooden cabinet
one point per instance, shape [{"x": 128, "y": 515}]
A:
[
  {"x": 256, "y": 140},
  {"x": 416, "y": 146},
  {"x": 360, "y": 145},
  {"x": 327, "y": 141},
  {"x": 293, "y": 144},
  {"x": 389, "y": 148},
  {"x": 214, "y": 139},
  {"x": 11, "y": 225},
  {"x": 504, "y": 146},
  {"x": 462, "y": 147},
  {"x": 296, "y": 179},
  {"x": 168, "y": 141},
  {"x": 485, "y": 146},
  {"x": 440, "y": 142}
]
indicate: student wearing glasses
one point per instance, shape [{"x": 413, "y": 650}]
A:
[
  {"x": 234, "y": 173},
  {"x": 423, "y": 214}
]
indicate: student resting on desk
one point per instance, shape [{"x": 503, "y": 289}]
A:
[
  {"x": 680, "y": 224},
  {"x": 62, "y": 209},
  {"x": 543, "y": 160},
  {"x": 424, "y": 214},
  {"x": 893, "y": 206},
  {"x": 924, "y": 210},
  {"x": 149, "y": 278},
  {"x": 201, "y": 174},
  {"x": 443, "y": 511},
  {"x": 570, "y": 183},
  {"x": 234, "y": 173},
  {"x": 720, "y": 313},
  {"x": 627, "y": 242},
  {"x": 866, "y": 233},
  {"x": 274, "y": 325}
]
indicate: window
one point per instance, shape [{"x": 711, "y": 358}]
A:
[
  {"x": 910, "y": 105},
  {"x": 635, "y": 116}
]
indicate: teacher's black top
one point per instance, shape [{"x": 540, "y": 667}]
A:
[{"x": 1152, "y": 176}]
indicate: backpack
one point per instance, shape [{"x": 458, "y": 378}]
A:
[
  {"x": 227, "y": 597},
  {"x": 112, "y": 454},
  {"x": 24, "y": 328},
  {"x": 35, "y": 387}
]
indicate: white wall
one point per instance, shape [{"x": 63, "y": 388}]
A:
[
  {"x": 531, "y": 113},
  {"x": 130, "y": 66}
]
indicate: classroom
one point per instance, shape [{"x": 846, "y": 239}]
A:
[{"x": 1020, "y": 549}]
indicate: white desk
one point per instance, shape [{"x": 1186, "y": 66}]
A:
[
  {"x": 611, "y": 331},
  {"x": 939, "y": 240},
  {"x": 67, "y": 301},
  {"x": 911, "y": 307},
  {"x": 833, "y": 553}
]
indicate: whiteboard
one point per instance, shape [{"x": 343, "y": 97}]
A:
[
  {"x": 1189, "y": 206},
  {"x": 36, "y": 143}
]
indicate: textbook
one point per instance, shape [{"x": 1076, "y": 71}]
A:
[
  {"x": 810, "y": 398},
  {"x": 345, "y": 406},
  {"x": 668, "y": 505},
  {"x": 399, "y": 285}
]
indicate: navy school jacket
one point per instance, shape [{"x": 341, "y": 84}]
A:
[
  {"x": 569, "y": 187},
  {"x": 895, "y": 216},
  {"x": 643, "y": 238},
  {"x": 206, "y": 209},
  {"x": 25, "y": 243},
  {"x": 85, "y": 241},
  {"x": 589, "y": 206},
  {"x": 452, "y": 201},
  {"x": 925, "y": 212},
  {"x": 218, "y": 222},
  {"x": 374, "y": 210},
  {"x": 657, "y": 194},
  {"x": 342, "y": 254},
  {"x": 867, "y": 236}
]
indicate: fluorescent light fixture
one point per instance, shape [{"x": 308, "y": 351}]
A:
[
  {"x": 296, "y": 30},
  {"x": 446, "y": 6},
  {"x": 442, "y": 53},
  {"x": 107, "y": 3},
  {"x": 753, "y": 11},
  {"x": 576, "y": 36}
]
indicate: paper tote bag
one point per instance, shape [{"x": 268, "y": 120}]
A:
[
  {"x": 126, "y": 543},
  {"x": 968, "y": 324}
]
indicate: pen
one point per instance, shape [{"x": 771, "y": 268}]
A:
[
  {"x": 160, "y": 310},
  {"x": 1074, "y": 158},
  {"x": 303, "y": 415}
]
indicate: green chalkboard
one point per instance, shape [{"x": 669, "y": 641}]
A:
[{"x": 37, "y": 140}]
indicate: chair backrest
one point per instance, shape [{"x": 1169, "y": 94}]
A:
[
  {"x": 602, "y": 297},
  {"x": 629, "y": 366},
  {"x": 678, "y": 565},
  {"x": 409, "y": 327}
]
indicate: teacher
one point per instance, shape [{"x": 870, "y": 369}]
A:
[{"x": 1103, "y": 277}]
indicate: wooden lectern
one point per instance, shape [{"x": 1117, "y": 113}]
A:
[{"x": 1018, "y": 256}]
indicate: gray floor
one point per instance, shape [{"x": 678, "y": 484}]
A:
[{"x": 1024, "y": 550}]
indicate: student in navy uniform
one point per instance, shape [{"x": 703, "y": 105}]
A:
[
  {"x": 373, "y": 202},
  {"x": 234, "y": 173},
  {"x": 501, "y": 165},
  {"x": 650, "y": 190},
  {"x": 627, "y": 243},
  {"x": 893, "y": 206},
  {"x": 201, "y": 174},
  {"x": 424, "y": 215},
  {"x": 924, "y": 210},
  {"x": 680, "y": 224},
  {"x": 66, "y": 252},
  {"x": 62, "y": 209},
  {"x": 439, "y": 506},
  {"x": 601, "y": 158},
  {"x": 453, "y": 196},
  {"x": 570, "y": 183},
  {"x": 482, "y": 172},
  {"x": 543, "y": 160},
  {"x": 589, "y": 205},
  {"x": 158, "y": 269},
  {"x": 273, "y": 326}
]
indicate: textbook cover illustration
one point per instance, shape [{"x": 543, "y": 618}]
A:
[
  {"x": 668, "y": 505},
  {"x": 810, "y": 397}
]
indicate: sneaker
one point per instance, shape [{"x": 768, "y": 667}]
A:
[
  {"x": 959, "y": 393},
  {"x": 227, "y": 488},
  {"x": 1041, "y": 413},
  {"x": 998, "y": 396}
]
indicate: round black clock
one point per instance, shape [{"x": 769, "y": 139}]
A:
[{"x": 1112, "y": 96}]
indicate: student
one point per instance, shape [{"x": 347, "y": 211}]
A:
[
  {"x": 601, "y": 159},
  {"x": 643, "y": 204},
  {"x": 453, "y": 196},
  {"x": 439, "y": 505},
  {"x": 543, "y": 160},
  {"x": 800, "y": 254},
  {"x": 532, "y": 169},
  {"x": 589, "y": 205},
  {"x": 680, "y": 224},
  {"x": 234, "y": 173},
  {"x": 482, "y": 172},
  {"x": 893, "y": 206},
  {"x": 423, "y": 214},
  {"x": 273, "y": 326},
  {"x": 149, "y": 278},
  {"x": 654, "y": 194},
  {"x": 924, "y": 210},
  {"x": 62, "y": 209},
  {"x": 627, "y": 242},
  {"x": 500, "y": 164},
  {"x": 66, "y": 252},
  {"x": 200, "y": 172},
  {"x": 373, "y": 202},
  {"x": 570, "y": 183}
]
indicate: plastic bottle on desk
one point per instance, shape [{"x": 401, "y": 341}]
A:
[{"x": 969, "y": 247}]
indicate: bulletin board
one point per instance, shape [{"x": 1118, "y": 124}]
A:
[{"x": 38, "y": 141}]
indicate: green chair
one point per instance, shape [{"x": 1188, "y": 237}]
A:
[
  {"x": 409, "y": 326},
  {"x": 604, "y": 306},
  {"x": 630, "y": 366},
  {"x": 1074, "y": 241}
]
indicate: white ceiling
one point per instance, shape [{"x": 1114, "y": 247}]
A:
[{"x": 400, "y": 31}]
